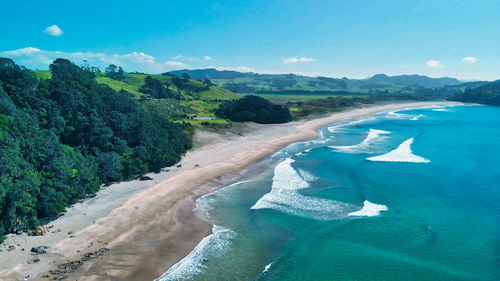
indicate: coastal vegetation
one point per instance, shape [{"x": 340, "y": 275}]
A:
[
  {"x": 488, "y": 93},
  {"x": 63, "y": 135}
]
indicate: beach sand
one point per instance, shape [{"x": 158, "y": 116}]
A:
[{"x": 150, "y": 225}]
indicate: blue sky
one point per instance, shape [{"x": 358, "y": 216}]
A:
[{"x": 332, "y": 38}]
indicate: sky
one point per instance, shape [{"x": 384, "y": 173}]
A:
[{"x": 354, "y": 39}]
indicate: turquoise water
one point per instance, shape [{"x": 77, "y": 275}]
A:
[{"x": 322, "y": 211}]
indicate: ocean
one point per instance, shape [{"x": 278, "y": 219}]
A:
[{"x": 403, "y": 195}]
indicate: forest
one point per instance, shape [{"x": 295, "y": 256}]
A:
[{"x": 62, "y": 138}]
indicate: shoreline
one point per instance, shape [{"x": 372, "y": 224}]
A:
[{"x": 150, "y": 225}]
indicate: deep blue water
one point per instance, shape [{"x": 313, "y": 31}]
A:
[{"x": 436, "y": 217}]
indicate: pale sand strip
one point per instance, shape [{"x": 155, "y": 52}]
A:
[{"x": 150, "y": 225}]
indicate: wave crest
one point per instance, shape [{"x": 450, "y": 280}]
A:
[
  {"x": 214, "y": 245},
  {"x": 285, "y": 196},
  {"x": 401, "y": 154},
  {"x": 369, "y": 209},
  {"x": 373, "y": 137}
]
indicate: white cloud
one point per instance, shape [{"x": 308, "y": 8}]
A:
[
  {"x": 138, "y": 57},
  {"x": 296, "y": 60},
  {"x": 434, "y": 64},
  {"x": 207, "y": 58},
  {"x": 177, "y": 64},
  {"x": 36, "y": 58},
  {"x": 28, "y": 51},
  {"x": 470, "y": 59},
  {"x": 53, "y": 30}
]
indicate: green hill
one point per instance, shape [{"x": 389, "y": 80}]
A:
[
  {"x": 250, "y": 82},
  {"x": 488, "y": 93}
]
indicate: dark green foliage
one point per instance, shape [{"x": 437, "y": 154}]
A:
[
  {"x": 114, "y": 72},
  {"x": 61, "y": 138},
  {"x": 485, "y": 94},
  {"x": 239, "y": 88},
  {"x": 155, "y": 88},
  {"x": 282, "y": 83},
  {"x": 254, "y": 108}
]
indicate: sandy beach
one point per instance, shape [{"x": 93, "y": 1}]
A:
[{"x": 150, "y": 225}]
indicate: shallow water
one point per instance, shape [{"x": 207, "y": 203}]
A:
[{"x": 406, "y": 195}]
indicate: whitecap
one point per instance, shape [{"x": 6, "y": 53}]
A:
[
  {"x": 285, "y": 197},
  {"x": 212, "y": 246},
  {"x": 307, "y": 176},
  {"x": 369, "y": 210},
  {"x": 267, "y": 267},
  {"x": 418, "y": 117},
  {"x": 373, "y": 137},
  {"x": 396, "y": 115},
  {"x": 440, "y": 109},
  {"x": 401, "y": 154}
]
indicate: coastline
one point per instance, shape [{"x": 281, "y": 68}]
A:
[{"x": 149, "y": 226}]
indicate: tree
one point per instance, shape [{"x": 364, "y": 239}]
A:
[
  {"x": 186, "y": 76},
  {"x": 111, "y": 69},
  {"x": 115, "y": 72}
]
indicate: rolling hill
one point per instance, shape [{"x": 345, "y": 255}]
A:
[{"x": 254, "y": 83}]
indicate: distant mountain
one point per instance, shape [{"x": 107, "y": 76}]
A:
[
  {"x": 255, "y": 83},
  {"x": 210, "y": 73},
  {"x": 488, "y": 93},
  {"x": 413, "y": 80}
]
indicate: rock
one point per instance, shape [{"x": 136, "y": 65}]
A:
[
  {"x": 178, "y": 166},
  {"x": 11, "y": 248},
  {"x": 39, "y": 249},
  {"x": 70, "y": 232},
  {"x": 145, "y": 178},
  {"x": 40, "y": 230}
]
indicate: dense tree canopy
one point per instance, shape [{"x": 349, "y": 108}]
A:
[
  {"x": 61, "y": 138},
  {"x": 485, "y": 94},
  {"x": 254, "y": 108}
]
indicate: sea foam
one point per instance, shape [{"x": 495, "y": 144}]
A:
[
  {"x": 373, "y": 137},
  {"x": 369, "y": 210},
  {"x": 401, "y": 154},
  {"x": 212, "y": 246},
  {"x": 267, "y": 268},
  {"x": 285, "y": 196}
]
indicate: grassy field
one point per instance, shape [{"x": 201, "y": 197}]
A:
[
  {"x": 42, "y": 74},
  {"x": 120, "y": 85}
]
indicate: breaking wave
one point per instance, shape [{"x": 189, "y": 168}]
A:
[
  {"x": 373, "y": 137},
  {"x": 369, "y": 210},
  {"x": 212, "y": 246},
  {"x": 285, "y": 196},
  {"x": 401, "y": 154}
]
